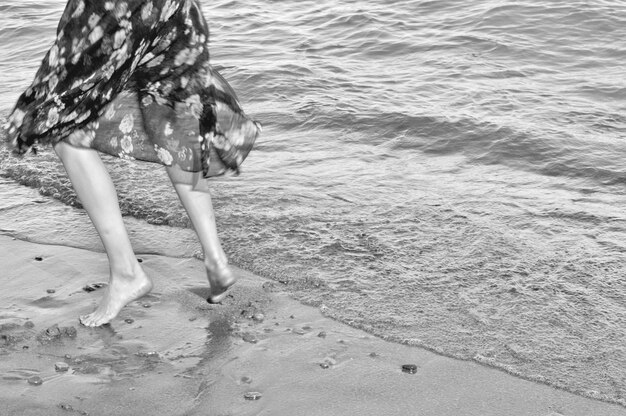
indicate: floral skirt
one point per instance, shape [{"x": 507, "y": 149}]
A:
[
  {"x": 132, "y": 78},
  {"x": 140, "y": 128}
]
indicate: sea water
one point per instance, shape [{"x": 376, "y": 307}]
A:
[{"x": 446, "y": 174}]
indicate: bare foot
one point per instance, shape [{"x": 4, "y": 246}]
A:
[
  {"x": 120, "y": 292},
  {"x": 221, "y": 278}
]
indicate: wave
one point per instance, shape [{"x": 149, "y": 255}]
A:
[{"x": 552, "y": 153}]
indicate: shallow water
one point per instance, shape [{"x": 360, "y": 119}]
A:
[{"x": 441, "y": 174}]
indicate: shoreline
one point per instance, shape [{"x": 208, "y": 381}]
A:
[{"x": 171, "y": 353}]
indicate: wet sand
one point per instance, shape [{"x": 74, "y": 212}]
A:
[{"x": 172, "y": 353}]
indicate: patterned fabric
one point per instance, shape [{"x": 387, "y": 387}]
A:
[{"x": 132, "y": 78}]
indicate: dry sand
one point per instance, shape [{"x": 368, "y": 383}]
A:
[{"x": 171, "y": 353}]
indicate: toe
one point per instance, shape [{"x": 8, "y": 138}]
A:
[
  {"x": 85, "y": 320},
  {"x": 91, "y": 320}
]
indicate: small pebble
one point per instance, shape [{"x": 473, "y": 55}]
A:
[
  {"x": 61, "y": 367},
  {"x": 148, "y": 354},
  {"x": 193, "y": 318},
  {"x": 39, "y": 258},
  {"x": 68, "y": 357},
  {"x": 129, "y": 320},
  {"x": 299, "y": 332},
  {"x": 66, "y": 406},
  {"x": 51, "y": 291},
  {"x": 35, "y": 381},
  {"x": 25, "y": 347},
  {"x": 140, "y": 260},
  {"x": 306, "y": 328},
  {"x": 246, "y": 379},
  {"x": 292, "y": 317},
  {"x": 92, "y": 287},
  {"x": 409, "y": 368},
  {"x": 29, "y": 324},
  {"x": 145, "y": 305},
  {"x": 249, "y": 338},
  {"x": 259, "y": 317},
  {"x": 89, "y": 368},
  {"x": 268, "y": 329},
  {"x": 330, "y": 361},
  {"x": 322, "y": 334},
  {"x": 252, "y": 395},
  {"x": 373, "y": 355},
  {"x": 69, "y": 331},
  {"x": 53, "y": 332}
]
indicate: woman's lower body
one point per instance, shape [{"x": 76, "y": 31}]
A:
[
  {"x": 127, "y": 280},
  {"x": 145, "y": 130}
]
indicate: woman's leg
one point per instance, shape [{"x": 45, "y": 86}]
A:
[
  {"x": 93, "y": 185},
  {"x": 200, "y": 210}
]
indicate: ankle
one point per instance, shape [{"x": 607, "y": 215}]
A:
[
  {"x": 129, "y": 270},
  {"x": 215, "y": 264}
]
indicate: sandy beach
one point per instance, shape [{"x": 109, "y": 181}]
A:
[{"x": 172, "y": 353}]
